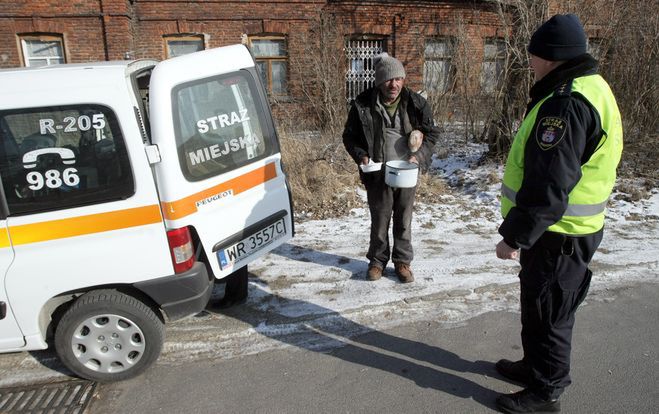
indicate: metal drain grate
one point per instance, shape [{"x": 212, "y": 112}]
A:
[{"x": 70, "y": 397}]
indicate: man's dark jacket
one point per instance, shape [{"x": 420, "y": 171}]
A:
[{"x": 364, "y": 123}]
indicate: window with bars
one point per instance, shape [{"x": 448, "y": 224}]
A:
[
  {"x": 361, "y": 69},
  {"x": 438, "y": 70},
  {"x": 494, "y": 60},
  {"x": 178, "y": 45},
  {"x": 42, "y": 50},
  {"x": 271, "y": 55}
]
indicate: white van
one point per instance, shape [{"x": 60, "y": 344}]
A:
[{"x": 127, "y": 189}]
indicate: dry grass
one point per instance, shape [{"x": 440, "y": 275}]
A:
[
  {"x": 429, "y": 188},
  {"x": 324, "y": 178},
  {"x": 639, "y": 160}
]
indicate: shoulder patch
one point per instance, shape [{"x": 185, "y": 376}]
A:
[{"x": 549, "y": 132}]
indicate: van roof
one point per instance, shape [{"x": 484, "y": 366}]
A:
[
  {"x": 232, "y": 55},
  {"x": 26, "y": 87},
  {"x": 59, "y": 84},
  {"x": 125, "y": 66}
]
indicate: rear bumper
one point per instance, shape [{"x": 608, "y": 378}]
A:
[{"x": 180, "y": 295}]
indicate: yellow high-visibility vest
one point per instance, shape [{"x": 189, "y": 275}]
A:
[{"x": 587, "y": 200}]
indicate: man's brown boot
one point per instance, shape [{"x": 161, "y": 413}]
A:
[
  {"x": 374, "y": 272},
  {"x": 404, "y": 272}
]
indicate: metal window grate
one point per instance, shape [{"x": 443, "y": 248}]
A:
[
  {"x": 361, "y": 71},
  {"x": 70, "y": 397}
]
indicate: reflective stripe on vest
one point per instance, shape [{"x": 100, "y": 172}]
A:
[
  {"x": 573, "y": 210},
  {"x": 587, "y": 200}
]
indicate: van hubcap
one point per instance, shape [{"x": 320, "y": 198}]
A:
[{"x": 108, "y": 343}]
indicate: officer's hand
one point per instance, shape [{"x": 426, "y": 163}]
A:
[
  {"x": 364, "y": 160},
  {"x": 506, "y": 252}
]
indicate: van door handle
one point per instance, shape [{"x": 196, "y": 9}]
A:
[
  {"x": 152, "y": 154},
  {"x": 3, "y": 310}
]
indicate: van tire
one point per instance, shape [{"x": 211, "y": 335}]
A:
[{"x": 108, "y": 336}]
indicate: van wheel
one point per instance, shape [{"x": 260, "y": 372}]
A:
[{"x": 108, "y": 336}]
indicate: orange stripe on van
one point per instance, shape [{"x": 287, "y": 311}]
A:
[
  {"x": 78, "y": 226},
  {"x": 184, "y": 207},
  {"x": 4, "y": 238}
]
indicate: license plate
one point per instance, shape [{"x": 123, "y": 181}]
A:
[{"x": 251, "y": 244}]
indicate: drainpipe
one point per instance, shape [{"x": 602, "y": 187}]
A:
[
  {"x": 397, "y": 19},
  {"x": 104, "y": 29},
  {"x": 393, "y": 35}
]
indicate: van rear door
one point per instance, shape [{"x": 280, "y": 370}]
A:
[
  {"x": 220, "y": 171},
  {"x": 11, "y": 336}
]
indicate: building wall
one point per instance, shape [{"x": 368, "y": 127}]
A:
[
  {"x": 91, "y": 30},
  {"x": 407, "y": 25},
  {"x": 222, "y": 22},
  {"x": 117, "y": 29},
  {"x": 110, "y": 29}
]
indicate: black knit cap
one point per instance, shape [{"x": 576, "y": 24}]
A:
[{"x": 560, "y": 38}]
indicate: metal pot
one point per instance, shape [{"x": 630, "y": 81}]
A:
[{"x": 401, "y": 174}]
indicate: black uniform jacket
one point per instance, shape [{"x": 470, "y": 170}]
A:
[
  {"x": 551, "y": 172},
  {"x": 364, "y": 123}
]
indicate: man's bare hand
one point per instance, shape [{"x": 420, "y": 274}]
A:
[
  {"x": 365, "y": 160},
  {"x": 506, "y": 252}
]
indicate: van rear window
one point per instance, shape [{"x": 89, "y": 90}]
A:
[
  {"x": 59, "y": 157},
  {"x": 219, "y": 125}
]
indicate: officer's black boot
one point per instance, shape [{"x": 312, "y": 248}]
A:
[
  {"x": 236, "y": 289},
  {"x": 518, "y": 371},
  {"x": 526, "y": 401}
]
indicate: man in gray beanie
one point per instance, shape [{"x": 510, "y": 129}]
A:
[
  {"x": 387, "y": 67},
  {"x": 384, "y": 124},
  {"x": 558, "y": 177}
]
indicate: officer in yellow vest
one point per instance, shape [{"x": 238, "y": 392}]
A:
[{"x": 558, "y": 177}]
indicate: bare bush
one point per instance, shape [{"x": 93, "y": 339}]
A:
[
  {"x": 322, "y": 82},
  {"x": 450, "y": 91},
  {"x": 464, "y": 64},
  {"x": 519, "y": 19},
  {"x": 628, "y": 54},
  {"x": 321, "y": 175},
  {"x": 324, "y": 178},
  {"x": 627, "y": 35}
]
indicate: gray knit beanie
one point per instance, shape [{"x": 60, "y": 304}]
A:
[{"x": 387, "y": 67}]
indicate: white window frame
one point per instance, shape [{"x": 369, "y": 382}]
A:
[
  {"x": 434, "y": 81},
  {"x": 29, "y": 61},
  {"x": 268, "y": 61},
  {"x": 191, "y": 38},
  {"x": 493, "y": 65}
]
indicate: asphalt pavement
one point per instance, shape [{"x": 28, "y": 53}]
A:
[{"x": 421, "y": 367}]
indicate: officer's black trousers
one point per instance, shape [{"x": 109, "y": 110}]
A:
[
  {"x": 237, "y": 284},
  {"x": 554, "y": 280}
]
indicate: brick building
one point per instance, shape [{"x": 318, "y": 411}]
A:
[
  {"x": 35, "y": 32},
  {"x": 289, "y": 38}
]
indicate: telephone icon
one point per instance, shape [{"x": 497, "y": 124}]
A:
[{"x": 66, "y": 154}]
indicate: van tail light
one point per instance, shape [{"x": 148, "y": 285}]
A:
[{"x": 181, "y": 248}]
